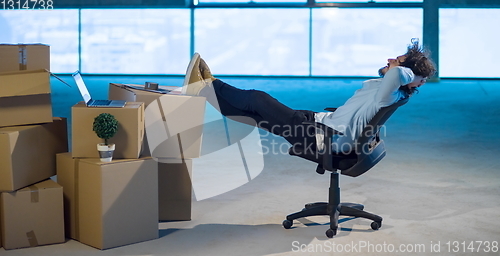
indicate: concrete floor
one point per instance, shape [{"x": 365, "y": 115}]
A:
[{"x": 437, "y": 188}]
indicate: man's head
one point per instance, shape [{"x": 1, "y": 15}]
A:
[{"x": 417, "y": 59}]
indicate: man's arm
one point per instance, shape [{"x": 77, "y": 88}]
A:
[{"x": 393, "y": 79}]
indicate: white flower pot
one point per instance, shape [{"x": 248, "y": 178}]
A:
[{"x": 106, "y": 151}]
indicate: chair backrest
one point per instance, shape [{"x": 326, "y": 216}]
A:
[{"x": 370, "y": 149}]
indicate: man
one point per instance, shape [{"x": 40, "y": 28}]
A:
[{"x": 400, "y": 79}]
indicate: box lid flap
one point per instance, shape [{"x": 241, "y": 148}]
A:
[
  {"x": 14, "y": 129},
  {"x": 46, "y": 184},
  {"x": 139, "y": 91}
]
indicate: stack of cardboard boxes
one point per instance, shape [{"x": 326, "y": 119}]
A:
[
  {"x": 31, "y": 204},
  {"x": 110, "y": 204},
  {"x": 101, "y": 204}
]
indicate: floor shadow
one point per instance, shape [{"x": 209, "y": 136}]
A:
[
  {"x": 166, "y": 232},
  {"x": 235, "y": 239},
  {"x": 346, "y": 227},
  {"x": 248, "y": 240}
]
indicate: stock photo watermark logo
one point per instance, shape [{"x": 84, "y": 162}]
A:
[{"x": 226, "y": 153}]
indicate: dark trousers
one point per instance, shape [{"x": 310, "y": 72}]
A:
[{"x": 267, "y": 112}]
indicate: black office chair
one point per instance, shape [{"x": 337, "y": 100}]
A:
[{"x": 369, "y": 150}]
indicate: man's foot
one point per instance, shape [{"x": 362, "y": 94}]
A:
[
  {"x": 205, "y": 71},
  {"x": 193, "y": 81}
]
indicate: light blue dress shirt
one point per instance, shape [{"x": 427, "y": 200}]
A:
[{"x": 354, "y": 115}]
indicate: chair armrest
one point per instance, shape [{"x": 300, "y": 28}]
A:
[
  {"x": 329, "y": 131},
  {"x": 331, "y": 109},
  {"x": 327, "y": 160}
]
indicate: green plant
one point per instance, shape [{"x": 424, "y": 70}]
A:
[{"x": 105, "y": 126}]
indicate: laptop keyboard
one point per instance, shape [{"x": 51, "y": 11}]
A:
[{"x": 100, "y": 102}]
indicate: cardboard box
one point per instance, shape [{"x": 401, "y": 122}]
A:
[
  {"x": 111, "y": 204},
  {"x": 32, "y": 216},
  {"x": 1, "y": 244},
  {"x": 175, "y": 190},
  {"x": 128, "y": 139},
  {"x": 24, "y": 57},
  {"x": 28, "y": 153},
  {"x": 67, "y": 177},
  {"x": 25, "y": 98},
  {"x": 174, "y": 123}
]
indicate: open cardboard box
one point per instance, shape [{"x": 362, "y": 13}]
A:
[{"x": 174, "y": 123}]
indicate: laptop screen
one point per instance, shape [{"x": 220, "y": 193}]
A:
[{"x": 81, "y": 86}]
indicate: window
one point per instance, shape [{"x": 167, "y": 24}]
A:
[
  {"x": 278, "y": 41},
  {"x": 357, "y": 42},
  {"x": 249, "y": 1},
  {"x": 468, "y": 41},
  {"x": 57, "y": 28},
  {"x": 368, "y": 1},
  {"x": 135, "y": 41},
  {"x": 254, "y": 41}
]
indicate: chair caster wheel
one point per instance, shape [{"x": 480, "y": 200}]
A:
[
  {"x": 330, "y": 233},
  {"x": 376, "y": 225},
  {"x": 287, "y": 224}
]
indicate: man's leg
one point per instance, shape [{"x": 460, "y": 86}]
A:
[
  {"x": 268, "y": 113},
  {"x": 232, "y": 101}
]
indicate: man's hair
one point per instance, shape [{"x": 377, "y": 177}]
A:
[{"x": 418, "y": 60}]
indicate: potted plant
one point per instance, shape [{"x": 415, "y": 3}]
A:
[{"x": 105, "y": 126}]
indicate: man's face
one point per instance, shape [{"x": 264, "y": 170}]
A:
[
  {"x": 391, "y": 62},
  {"x": 417, "y": 81}
]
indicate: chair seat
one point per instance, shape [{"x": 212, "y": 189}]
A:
[
  {"x": 340, "y": 161},
  {"x": 349, "y": 164}
]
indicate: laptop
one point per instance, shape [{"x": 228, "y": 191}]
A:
[{"x": 94, "y": 103}]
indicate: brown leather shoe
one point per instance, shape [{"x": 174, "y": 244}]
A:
[
  {"x": 193, "y": 81},
  {"x": 205, "y": 71}
]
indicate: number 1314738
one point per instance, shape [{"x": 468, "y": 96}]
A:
[{"x": 27, "y": 4}]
